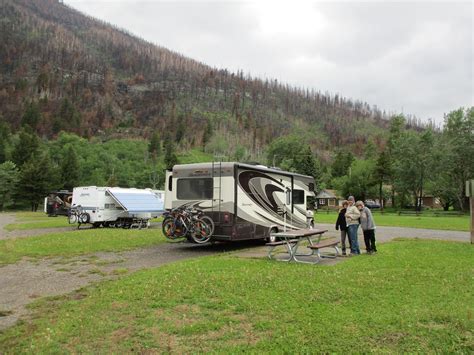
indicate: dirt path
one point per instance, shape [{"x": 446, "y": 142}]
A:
[
  {"x": 6, "y": 219},
  {"x": 27, "y": 280}
]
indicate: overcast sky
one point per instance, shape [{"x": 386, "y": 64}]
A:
[{"x": 401, "y": 56}]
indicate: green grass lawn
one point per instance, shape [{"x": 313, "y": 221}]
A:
[
  {"x": 36, "y": 220},
  {"x": 457, "y": 223},
  {"x": 77, "y": 242},
  {"x": 413, "y": 296}
]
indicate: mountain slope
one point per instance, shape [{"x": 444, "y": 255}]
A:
[{"x": 88, "y": 77}]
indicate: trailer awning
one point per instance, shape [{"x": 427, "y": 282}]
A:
[{"x": 137, "y": 200}]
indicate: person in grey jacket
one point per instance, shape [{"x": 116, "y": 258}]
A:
[{"x": 368, "y": 227}]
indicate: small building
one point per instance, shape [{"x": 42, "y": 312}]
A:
[
  {"x": 327, "y": 199},
  {"x": 430, "y": 201}
]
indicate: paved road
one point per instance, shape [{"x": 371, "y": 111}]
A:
[{"x": 385, "y": 234}]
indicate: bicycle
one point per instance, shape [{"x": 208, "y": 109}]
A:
[
  {"x": 77, "y": 215},
  {"x": 190, "y": 223}
]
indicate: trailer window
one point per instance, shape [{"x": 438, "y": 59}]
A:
[
  {"x": 195, "y": 189},
  {"x": 170, "y": 183},
  {"x": 298, "y": 197}
]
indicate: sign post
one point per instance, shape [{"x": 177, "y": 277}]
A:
[{"x": 470, "y": 194}]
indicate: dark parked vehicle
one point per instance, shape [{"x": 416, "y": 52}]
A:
[
  {"x": 58, "y": 203},
  {"x": 371, "y": 204}
]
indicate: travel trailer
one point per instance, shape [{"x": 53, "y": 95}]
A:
[
  {"x": 245, "y": 201},
  {"x": 115, "y": 206}
]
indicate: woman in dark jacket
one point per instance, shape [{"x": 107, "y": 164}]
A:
[{"x": 341, "y": 224}]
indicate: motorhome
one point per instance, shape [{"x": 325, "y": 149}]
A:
[
  {"x": 245, "y": 201},
  {"x": 115, "y": 206}
]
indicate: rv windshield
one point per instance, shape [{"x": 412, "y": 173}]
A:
[{"x": 194, "y": 189}]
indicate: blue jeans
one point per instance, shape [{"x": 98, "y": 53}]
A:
[{"x": 352, "y": 231}]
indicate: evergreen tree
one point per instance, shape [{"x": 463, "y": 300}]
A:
[
  {"x": 342, "y": 163},
  {"x": 382, "y": 173},
  {"x": 170, "y": 156},
  {"x": 154, "y": 147},
  {"x": 27, "y": 146},
  {"x": 32, "y": 115},
  {"x": 69, "y": 116},
  {"x": 396, "y": 130},
  {"x": 207, "y": 133},
  {"x": 4, "y": 141},
  {"x": 69, "y": 169},
  {"x": 307, "y": 164},
  {"x": 180, "y": 129},
  {"x": 370, "y": 150},
  {"x": 37, "y": 178},
  {"x": 9, "y": 176},
  {"x": 112, "y": 181}
]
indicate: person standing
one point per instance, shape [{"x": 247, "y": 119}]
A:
[
  {"x": 352, "y": 221},
  {"x": 368, "y": 227},
  {"x": 341, "y": 225}
]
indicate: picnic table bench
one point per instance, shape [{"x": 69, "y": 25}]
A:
[{"x": 292, "y": 240}]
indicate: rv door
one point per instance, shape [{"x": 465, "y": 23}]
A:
[{"x": 168, "y": 190}]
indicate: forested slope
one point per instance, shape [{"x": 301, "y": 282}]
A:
[{"x": 62, "y": 70}]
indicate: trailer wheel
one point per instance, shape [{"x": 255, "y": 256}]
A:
[{"x": 272, "y": 239}]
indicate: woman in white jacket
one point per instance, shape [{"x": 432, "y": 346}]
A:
[{"x": 352, "y": 221}]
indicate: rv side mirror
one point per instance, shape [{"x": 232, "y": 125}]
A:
[{"x": 288, "y": 196}]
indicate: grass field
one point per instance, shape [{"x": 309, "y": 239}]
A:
[
  {"x": 36, "y": 220},
  {"x": 456, "y": 223},
  {"x": 405, "y": 299},
  {"x": 77, "y": 243}
]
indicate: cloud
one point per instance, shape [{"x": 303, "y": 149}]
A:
[{"x": 410, "y": 56}]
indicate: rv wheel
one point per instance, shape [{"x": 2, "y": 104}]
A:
[{"x": 271, "y": 238}]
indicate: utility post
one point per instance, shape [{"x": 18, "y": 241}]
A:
[{"x": 470, "y": 194}]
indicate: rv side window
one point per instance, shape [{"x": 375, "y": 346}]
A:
[
  {"x": 195, "y": 189},
  {"x": 170, "y": 183},
  {"x": 298, "y": 197}
]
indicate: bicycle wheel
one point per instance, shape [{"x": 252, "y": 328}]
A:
[
  {"x": 202, "y": 232},
  {"x": 72, "y": 218},
  {"x": 167, "y": 228},
  {"x": 84, "y": 218},
  {"x": 209, "y": 222},
  {"x": 171, "y": 230}
]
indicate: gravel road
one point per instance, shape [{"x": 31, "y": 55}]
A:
[
  {"x": 27, "y": 280},
  {"x": 385, "y": 234}
]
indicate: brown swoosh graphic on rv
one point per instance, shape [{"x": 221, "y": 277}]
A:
[{"x": 251, "y": 183}]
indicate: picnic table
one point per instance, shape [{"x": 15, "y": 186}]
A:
[{"x": 292, "y": 240}]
